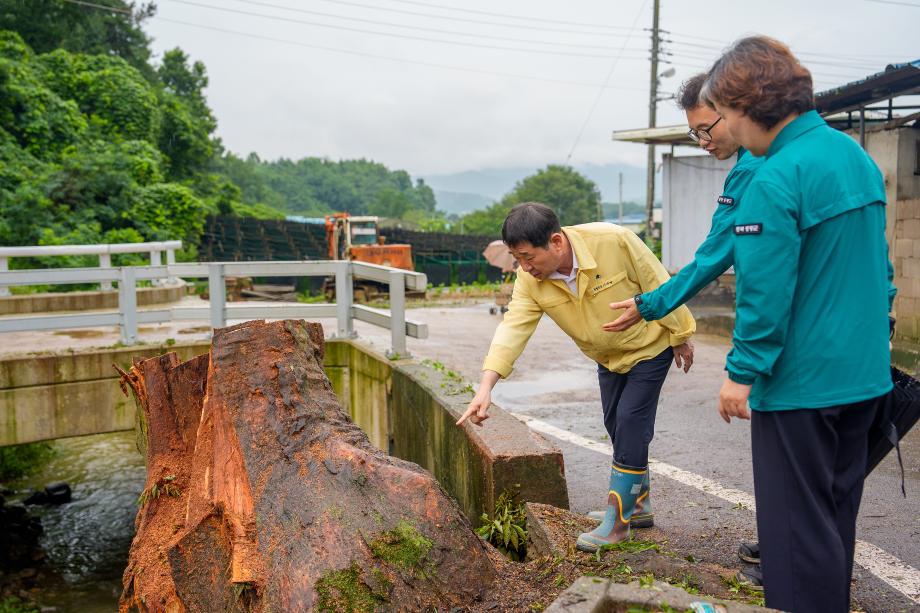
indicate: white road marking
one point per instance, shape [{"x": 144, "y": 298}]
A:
[{"x": 899, "y": 575}]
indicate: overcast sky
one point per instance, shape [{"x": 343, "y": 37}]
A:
[{"x": 513, "y": 87}]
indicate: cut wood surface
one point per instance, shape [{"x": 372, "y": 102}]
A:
[{"x": 262, "y": 495}]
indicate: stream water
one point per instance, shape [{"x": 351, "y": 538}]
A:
[{"x": 87, "y": 540}]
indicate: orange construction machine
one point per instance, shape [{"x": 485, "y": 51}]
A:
[{"x": 355, "y": 238}]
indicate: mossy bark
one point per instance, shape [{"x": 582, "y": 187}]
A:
[{"x": 284, "y": 505}]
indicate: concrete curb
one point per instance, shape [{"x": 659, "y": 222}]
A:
[
  {"x": 596, "y": 595},
  {"x": 88, "y": 300}
]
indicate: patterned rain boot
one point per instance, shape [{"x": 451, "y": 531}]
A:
[
  {"x": 625, "y": 485},
  {"x": 642, "y": 516}
]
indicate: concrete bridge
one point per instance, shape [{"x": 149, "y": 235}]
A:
[{"x": 404, "y": 406}]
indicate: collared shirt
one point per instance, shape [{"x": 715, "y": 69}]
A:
[
  {"x": 715, "y": 255},
  {"x": 813, "y": 276},
  {"x": 613, "y": 264},
  {"x": 570, "y": 279}
]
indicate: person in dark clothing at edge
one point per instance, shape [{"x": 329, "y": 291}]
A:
[
  {"x": 810, "y": 346},
  {"x": 712, "y": 258}
]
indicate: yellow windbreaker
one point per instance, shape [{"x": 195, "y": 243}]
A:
[{"x": 613, "y": 264}]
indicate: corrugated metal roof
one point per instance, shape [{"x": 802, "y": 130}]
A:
[{"x": 896, "y": 80}]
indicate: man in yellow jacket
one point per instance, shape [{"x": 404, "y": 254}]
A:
[{"x": 573, "y": 274}]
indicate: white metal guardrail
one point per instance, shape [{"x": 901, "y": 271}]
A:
[
  {"x": 104, "y": 252},
  {"x": 217, "y": 312}
]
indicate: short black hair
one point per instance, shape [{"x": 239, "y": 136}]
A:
[
  {"x": 688, "y": 97},
  {"x": 530, "y": 222}
]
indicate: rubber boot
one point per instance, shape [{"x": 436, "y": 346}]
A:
[
  {"x": 625, "y": 485},
  {"x": 642, "y": 516}
]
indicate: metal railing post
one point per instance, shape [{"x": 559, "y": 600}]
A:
[
  {"x": 170, "y": 260},
  {"x": 398, "y": 315},
  {"x": 105, "y": 261},
  {"x": 127, "y": 306},
  {"x": 155, "y": 261},
  {"x": 343, "y": 300},
  {"x": 217, "y": 294},
  {"x": 4, "y": 266}
]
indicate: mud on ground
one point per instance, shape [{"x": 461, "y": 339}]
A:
[{"x": 535, "y": 583}]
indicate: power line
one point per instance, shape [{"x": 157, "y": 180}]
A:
[
  {"x": 807, "y": 62},
  {"x": 393, "y": 58},
  {"x": 394, "y": 35},
  {"x": 721, "y": 45},
  {"x": 804, "y": 55},
  {"x": 451, "y": 18},
  {"x": 521, "y": 17},
  {"x": 400, "y": 25},
  {"x": 114, "y": 9},
  {"x": 600, "y": 93},
  {"x": 820, "y": 72},
  {"x": 378, "y": 56}
]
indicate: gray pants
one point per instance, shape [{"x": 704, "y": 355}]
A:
[{"x": 630, "y": 401}]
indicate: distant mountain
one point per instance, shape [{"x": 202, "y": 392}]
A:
[
  {"x": 493, "y": 183},
  {"x": 460, "y": 203}
]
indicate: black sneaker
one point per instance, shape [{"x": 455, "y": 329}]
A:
[
  {"x": 749, "y": 552},
  {"x": 752, "y": 577}
]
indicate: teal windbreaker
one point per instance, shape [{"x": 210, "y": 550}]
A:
[
  {"x": 715, "y": 255},
  {"x": 813, "y": 275}
]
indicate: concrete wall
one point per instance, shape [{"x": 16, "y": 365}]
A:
[
  {"x": 52, "y": 396},
  {"x": 691, "y": 185},
  {"x": 407, "y": 409},
  {"x": 906, "y": 258},
  {"x": 896, "y": 153},
  {"x": 86, "y": 301},
  {"x": 908, "y": 163}
]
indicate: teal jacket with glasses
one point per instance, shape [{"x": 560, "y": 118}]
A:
[
  {"x": 715, "y": 255},
  {"x": 813, "y": 276}
]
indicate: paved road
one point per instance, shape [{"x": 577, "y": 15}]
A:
[{"x": 556, "y": 385}]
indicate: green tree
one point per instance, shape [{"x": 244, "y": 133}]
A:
[
  {"x": 574, "y": 198},
  {"x": 316, "y": 186},
  {"x": 166, "y": 211},
  {"x": 390, "y": 203},
  {"x": 42, "y": 122},
  {"x": 485, "y": 222},
  {"x": 46, "y": 25},
  {"x": 187, "y": 126},
  {"x": 116, "y": 99}
]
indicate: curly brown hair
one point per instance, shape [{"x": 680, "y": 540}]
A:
[{"x": 759, "y": 76}]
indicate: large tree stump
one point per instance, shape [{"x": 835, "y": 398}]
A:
[{"x": 262, "y": 495}]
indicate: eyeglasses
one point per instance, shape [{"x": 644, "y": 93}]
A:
[{"x": 702, "y": 135}]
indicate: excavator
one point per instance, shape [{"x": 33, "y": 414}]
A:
[{"x": 356, "y": 238}]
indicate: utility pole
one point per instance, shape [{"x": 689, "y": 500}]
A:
[
  {"x": 652, "y": 112},
  {"x": 621, "y": 199}
]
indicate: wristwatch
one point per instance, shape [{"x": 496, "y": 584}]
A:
[{"x": 637, "y": 299}]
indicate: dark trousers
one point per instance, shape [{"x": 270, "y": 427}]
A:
[
  {"x": 809, "y": 467},
  {"x": 630, "y": 402}
]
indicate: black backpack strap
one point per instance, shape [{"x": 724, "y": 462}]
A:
[{"x": 891, "y": 433}]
